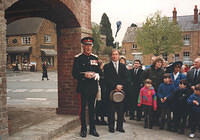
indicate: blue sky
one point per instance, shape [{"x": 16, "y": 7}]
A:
[{"x": 136, "y": 11}]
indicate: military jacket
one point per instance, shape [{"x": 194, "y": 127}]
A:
[{"x": 84, "y": 63}]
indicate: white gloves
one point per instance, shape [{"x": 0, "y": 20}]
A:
[{"x": 96, "y": 76}]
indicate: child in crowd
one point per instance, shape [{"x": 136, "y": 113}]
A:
[
  {"x": 178, "y": 103},
  {"x": 164, "y": 91},
  {"x": 147, "y": 99},
  {"x": 194, "y": 101}
]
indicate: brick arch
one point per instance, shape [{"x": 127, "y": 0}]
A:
[{"x": 53, "y": 10}]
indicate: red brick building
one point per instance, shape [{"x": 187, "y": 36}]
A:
[{"x": 31, "y": 41}]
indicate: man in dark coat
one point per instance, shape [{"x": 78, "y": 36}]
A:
[
  {"x": 193, "y": 75},
  {"x": 86, "y": 70},
  {"x": 115, "y": 76},
  {"x": 134, "y": 89}
]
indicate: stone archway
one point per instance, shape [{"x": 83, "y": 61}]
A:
[{"x": 73, "y": 19}]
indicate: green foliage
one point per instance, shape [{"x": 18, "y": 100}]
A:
[
  {"x": 107, "y": 50},
  {"x": 159, "y": 35},
  {"x": 105, "y": 29},
  {"x": 97, "y": 38}
]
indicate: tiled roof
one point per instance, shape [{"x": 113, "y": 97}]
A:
[
  {"x": 24, "y": 26},
  {"x": 187, "y": 23},
  {"x": 129, "y": 35}
]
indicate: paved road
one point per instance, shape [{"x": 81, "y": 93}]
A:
[
  {"x": 27, "y": 89},
  {"x": 134, "y": 131}
]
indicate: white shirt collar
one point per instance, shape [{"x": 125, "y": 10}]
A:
[
  {"x": 117, "y": 62},
  {"x": 176, "y": 75}
]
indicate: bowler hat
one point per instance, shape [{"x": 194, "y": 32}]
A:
[{"x": 87, "y": 41}]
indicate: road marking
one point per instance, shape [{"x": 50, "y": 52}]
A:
[
  {"x": 20, "y": 90},
  {"x": 37, "y": 99},
  {"x": 9, "y": 90},
  {"x": 36, "y": 90},
  {"x": 52, "y": 90},
  {"x": 25, "y": 80},
  {"x": 36, "y": 80},
  {"x": 9, "y": 80},
  {"x": 8, "y": 98}
]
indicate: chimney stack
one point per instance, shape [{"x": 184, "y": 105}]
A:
[
  {"x": 195, "y": 14},
  {"x": 175, "y": 16}
]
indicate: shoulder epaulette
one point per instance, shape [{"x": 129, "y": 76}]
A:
[
  {"x": 78, "y": 55},
  {"x": 94, "y": 55}
]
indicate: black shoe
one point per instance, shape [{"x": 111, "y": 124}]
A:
[
  {"x": 104, "y": 123},
  {"x": 120, "y": 130},
  {"x": 42, "y": 79},
  {"x": 124, "y": 120},
  {"x": 131, "y": 118},
  {"x": 47, "y": 79},
  {"x": 83, "y": 133},
  {"x": 94, "y": 133},
  {"x": 174, "y": 130},
  {"x": 181, "y": 131},
  {"x": 161, "y": 128},
  {"x": 138, "y": 119},
  {"x": 97, "y": 122},
  {"x": 111, "y": 130}
]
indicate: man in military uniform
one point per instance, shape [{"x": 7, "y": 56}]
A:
[{"x": 86, "y": 70}]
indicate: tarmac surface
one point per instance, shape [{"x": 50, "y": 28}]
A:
[{"x": 134, "y": 131}]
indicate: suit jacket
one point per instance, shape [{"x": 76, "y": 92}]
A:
[
  {"x": 190, "y": 78},
  {"x": 112, "y": 78},
  {"x": 136, "y": 78}
]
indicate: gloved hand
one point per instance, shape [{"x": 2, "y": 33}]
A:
[{"x": 96, "y": 76}]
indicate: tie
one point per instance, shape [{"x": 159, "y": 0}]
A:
[
  {"x": 115, "y": 65},
  {"x": 195, "y": 75},
  {"x": 135, "y": 71}
]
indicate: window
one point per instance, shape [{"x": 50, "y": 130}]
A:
[
  {"x": 47, "y": 38},
  {"x": 165, "y": 56},
  {"x": 26, "y": 40},
  {"x": 134, "y": 46},
  {"x": 186, "y": 54},
  {"x": 186, "y": 39},
  {"x": 50, "y": 60},
  {"x": 176, "y": 57}
]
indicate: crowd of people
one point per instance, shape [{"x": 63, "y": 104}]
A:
[{"x": 165, "y": 96}]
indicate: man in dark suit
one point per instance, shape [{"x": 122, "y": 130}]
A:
[
  {"x": 135, "y": 85},
  {"x": 86, "y": 70},
  {"x": 115, "y": 76},
  {"x": 193, "y": 75}
]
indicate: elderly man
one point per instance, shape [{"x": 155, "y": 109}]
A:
[
  {"x": 86, "y": 70},
  {"x": 193, "y": 76}
]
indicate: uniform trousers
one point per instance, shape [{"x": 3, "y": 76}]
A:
[{"x": 90, "y": 100}]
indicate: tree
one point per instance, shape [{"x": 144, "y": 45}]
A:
[
  {"x": 159, "y": 36},
  {"x": 97, "y": 37},
  {"x": 105, "y": 29}
]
